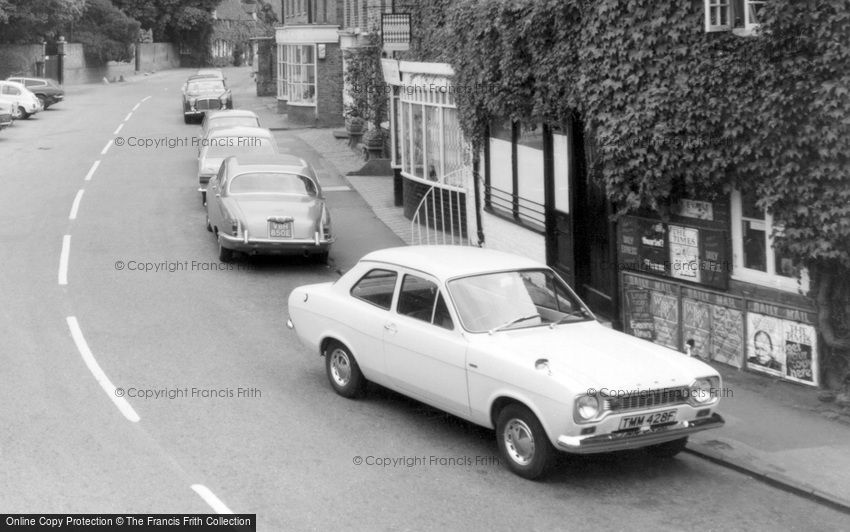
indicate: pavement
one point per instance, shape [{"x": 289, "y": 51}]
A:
[{"x": 778, "y": 432}]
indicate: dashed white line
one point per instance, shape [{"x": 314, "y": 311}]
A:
[
  {"x": 63, "y": 259},
  {"x": 98, "y": 373},
  {"x": 117, "y": 129},
  {"x": 210, "y": 498},
  {"x": 76, "y": 205},
  {"x": 106, "y": 148},
  {"x": 135, "y": 107},
  {"x": 335, "y": 188},
  {"x": 146, "y": 98},
  {"x": 128, "y": 116},
  {"x": 92, "y": 169}
]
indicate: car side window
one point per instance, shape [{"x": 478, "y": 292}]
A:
[
  {"x": 376, "y": 287},
  {"x": 442, "y": 318},
  {"x": 421, "y": 299},
  {"x": 220, "y": 175}
]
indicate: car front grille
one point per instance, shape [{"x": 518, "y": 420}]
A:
[
  {"x": 206, "y": 105},
  {"x": 646, "y": 399}
]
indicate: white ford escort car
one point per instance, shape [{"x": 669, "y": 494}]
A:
[{"x": 502, "y": 341}]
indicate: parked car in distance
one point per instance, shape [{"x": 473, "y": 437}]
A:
[
  {"x": 211, "y": 73},
  {"x": 28, "y": 104},
  {"x": 502, "y": 341},
  {"x": 202, "y": 94},
  {"x": 48, "y": 91},
  {"x": 5, "y": 114},
  {"x": 13, "y": 102},
  {"x": 229, "y": 118},
  {"x": 271, "y": 205},
  {"x": 224, "y": 142}
]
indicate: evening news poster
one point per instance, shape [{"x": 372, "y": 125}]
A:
[{"x": 783, "y": 348}]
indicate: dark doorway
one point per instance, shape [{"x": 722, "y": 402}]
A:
[
  {"x": 559, "y": 224},
  {"x": 595, "y": 262},
  {"x": 579, "y": 235}
]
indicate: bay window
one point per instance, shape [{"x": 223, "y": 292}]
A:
[{"x": 297, "y": 73}]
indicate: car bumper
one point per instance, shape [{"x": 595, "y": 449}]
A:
[
  {"x": 619, "y": 441},
  {"x": 208, "y": 107},
  {"x": 5, "y": 120},
  {"x": 268, "y": 246}
]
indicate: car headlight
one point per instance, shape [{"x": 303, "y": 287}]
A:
[
  {"x": 587, "y": 408},
  {"x": 704, "y": 391}
]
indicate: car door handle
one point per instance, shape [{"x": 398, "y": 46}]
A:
[{"x": 390, "y": 327}]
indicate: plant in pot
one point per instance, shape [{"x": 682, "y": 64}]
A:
[
  {"x": 373, "y": 143},
  {"x": 354, "y": 126}
]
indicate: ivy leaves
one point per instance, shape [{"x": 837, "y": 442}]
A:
[{"x": 670, "y": 110}]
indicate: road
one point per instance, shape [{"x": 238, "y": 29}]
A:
[{"x": 246, "y": 420}]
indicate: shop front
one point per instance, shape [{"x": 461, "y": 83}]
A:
[
  {"x": 309, "y": 74},
  {"x": 698, "y": 281},
  {"x": 429, "y": 155}
]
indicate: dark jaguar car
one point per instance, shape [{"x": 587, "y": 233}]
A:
[{"x": 202, "y": 94}]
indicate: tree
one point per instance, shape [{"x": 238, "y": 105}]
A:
[
  {"x": 5, "y": 8},
  {"x": 105, "y": 32},
  {"x": 365, "y": 77},
  {"x": 171, "y": 20},
  {"x": 33, "y": 21}
]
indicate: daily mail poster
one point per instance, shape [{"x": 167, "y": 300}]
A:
[{"x": 784, "y": 348}]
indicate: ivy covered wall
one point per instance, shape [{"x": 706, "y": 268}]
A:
[{"x": 675, "y": 112}]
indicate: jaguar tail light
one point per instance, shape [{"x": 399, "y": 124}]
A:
[{"x": 325, "y": 225}]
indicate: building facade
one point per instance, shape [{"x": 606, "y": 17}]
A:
[
  {"x": 701, "y": 276},
  {"x": 429, "y": 154},
  {"x": 309, "y": 62},
  {"x": 235, "y": 23}
]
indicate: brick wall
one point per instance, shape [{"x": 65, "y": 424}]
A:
[
  {"x": 266, "y": 67},
  {"x": 448, "y": 209},
  {"x": 19, "y": 59},
  {"x": 329, "y": 87},
  {"x": 507, "y": 236},
  {"x": 155, "y": 56}
]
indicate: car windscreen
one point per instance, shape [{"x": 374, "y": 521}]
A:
[
  {"x": 205, "y": 86},
  {"x": 272, "y": 183},
  {"x": 221, "y": 147},
  {"x": 233, "y": 121},
  {"x": 514, "y": 299}
]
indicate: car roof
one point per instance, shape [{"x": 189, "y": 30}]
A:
[
  {"x": 231, "y": 113},
  {"x": 240, "y": 131},
  {"x": 447, "y": 261},
  {"x": 204, "y": 77},
  {"x": 239, "y": 164}
]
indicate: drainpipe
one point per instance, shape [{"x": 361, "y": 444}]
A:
[{"x": 476, "y": 164}]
